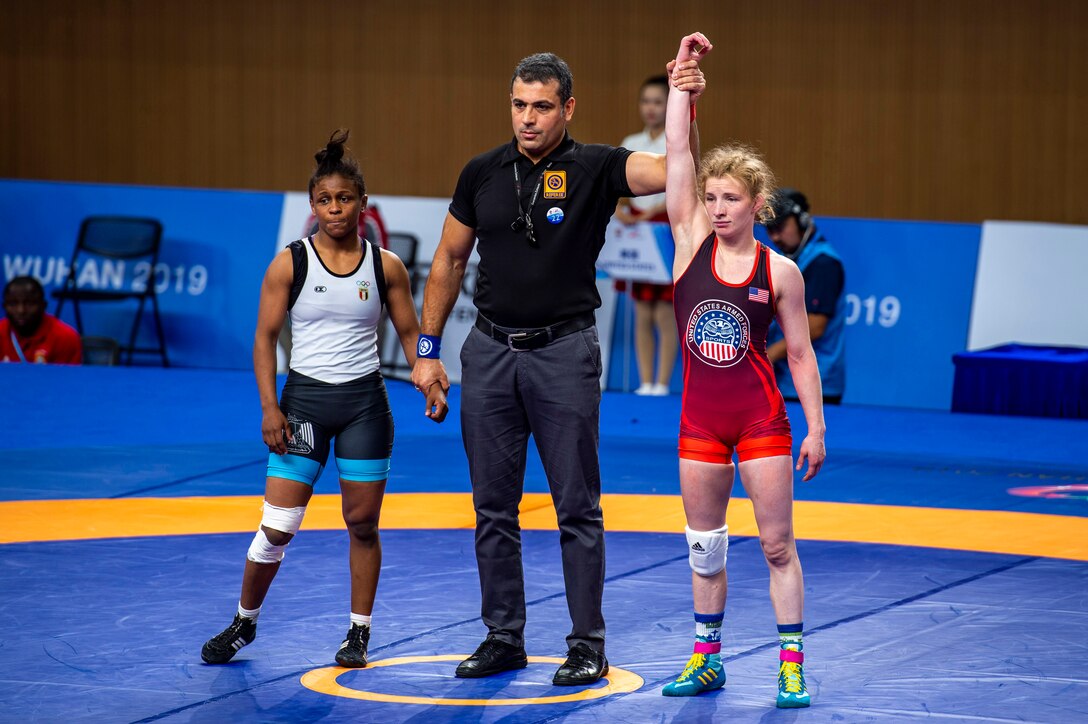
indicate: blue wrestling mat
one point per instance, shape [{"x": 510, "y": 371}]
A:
[{"x": 109, "y": 628}]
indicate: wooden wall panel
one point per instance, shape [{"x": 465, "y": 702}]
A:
[{"x": 956, "y": 110}]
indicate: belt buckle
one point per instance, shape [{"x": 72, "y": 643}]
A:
[{"x": 511, "y": 339}]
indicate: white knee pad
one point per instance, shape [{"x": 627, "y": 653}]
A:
[
  {"x": 707, "y": 550},
  {"x": 286, "y": 520}
]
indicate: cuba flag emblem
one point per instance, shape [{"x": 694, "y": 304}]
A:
[{"x": 718, "y": 333}]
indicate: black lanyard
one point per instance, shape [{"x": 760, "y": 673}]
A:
[{"x": 525, "y": 216}]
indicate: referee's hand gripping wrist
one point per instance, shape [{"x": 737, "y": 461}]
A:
[
  {"x": 429, "y": 378},
  {"x": 426, "y": 372}
]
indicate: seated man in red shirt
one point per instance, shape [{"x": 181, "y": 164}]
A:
[{"x": 28, "y": 334}]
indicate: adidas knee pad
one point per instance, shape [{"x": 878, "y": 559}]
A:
[
  {"x": 707, "y": 550},
  {"x": 286, "y": 520}
]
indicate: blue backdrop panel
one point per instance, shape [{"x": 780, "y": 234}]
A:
[
  {"x": 216, "y": 245},
  {"x": 908, "y": 294},
  {"x": 908, "y": 291}
]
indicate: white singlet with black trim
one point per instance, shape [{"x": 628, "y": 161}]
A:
[{"x": 334, "y": 321}]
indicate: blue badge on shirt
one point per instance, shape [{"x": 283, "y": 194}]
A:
[{"x": 555, "y": 215}]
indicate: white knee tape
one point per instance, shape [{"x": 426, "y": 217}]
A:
[
  {"x": 262, "y": 551},
  {"x": 287, "y": 520},
  {"x": 707, "y": 550}
]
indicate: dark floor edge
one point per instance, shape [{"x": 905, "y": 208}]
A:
[{"x": 198, "y": 476}]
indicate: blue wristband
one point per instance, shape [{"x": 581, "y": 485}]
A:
[{"x": 428, "y": 347}]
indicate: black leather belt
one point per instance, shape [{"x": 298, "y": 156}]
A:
[{"x": 523, "y": 339}]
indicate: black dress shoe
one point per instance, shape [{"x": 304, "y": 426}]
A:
[
  {"x": 583, "y": 666},
  {"x": 492, "y": 657}
]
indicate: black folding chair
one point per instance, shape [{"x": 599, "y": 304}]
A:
[
  {"x": 406, "y": 246},
  {"x": 133, "y": 242},
  {"x": 101, "y": 351}
]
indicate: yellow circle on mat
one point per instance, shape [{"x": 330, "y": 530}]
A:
[{"x": 324, "y": 681}]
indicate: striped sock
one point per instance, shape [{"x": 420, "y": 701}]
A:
[
  {"x": 789, "y": 636},
  {"x": 708, "y": 632},
  {"x": 247, "y": 613}
]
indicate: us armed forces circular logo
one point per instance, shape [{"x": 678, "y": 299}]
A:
[{"x": 718, "y": 333}]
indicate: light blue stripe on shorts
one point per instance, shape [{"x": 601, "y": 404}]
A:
[
  {"x": 294, "y": 467},
  {"x": 363, "y": 471}
]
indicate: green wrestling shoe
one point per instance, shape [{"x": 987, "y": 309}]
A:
[
  {"x": 792, "y": 692},
  {"x": 703, "y": 673}
]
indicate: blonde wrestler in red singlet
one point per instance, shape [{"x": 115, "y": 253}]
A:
[{"x": 729, "y": 288}]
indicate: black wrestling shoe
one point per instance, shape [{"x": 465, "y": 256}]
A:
[
  {"x": 352, "y": 653},
  {"x": 222, "y": 647},
  {"x": 492, "y": 657},
  {"x": 583, "y": 666}
]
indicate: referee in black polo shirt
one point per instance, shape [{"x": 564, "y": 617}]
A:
[{"x": 538, "y": 206}]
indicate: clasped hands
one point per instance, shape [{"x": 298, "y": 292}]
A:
[
  {"x": 429, "y": 378},
  {"x": 684, "y": 72}
]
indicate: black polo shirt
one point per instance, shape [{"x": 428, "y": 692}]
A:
[
  {"x": 524, "y": 286},
  {"x": 824, "y": 279}
]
